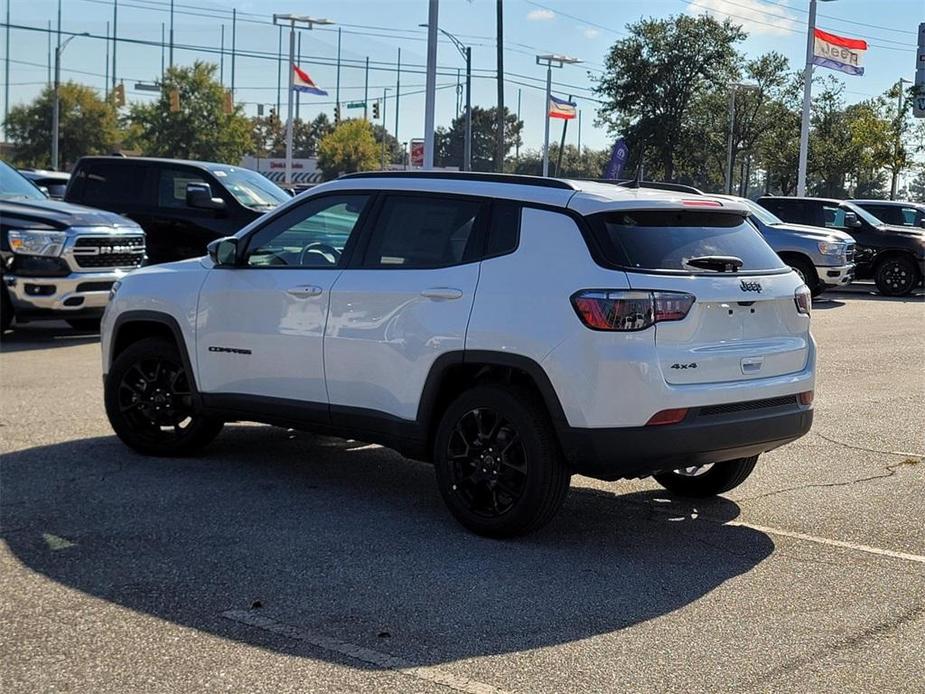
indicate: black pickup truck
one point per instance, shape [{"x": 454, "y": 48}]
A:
[{"x": 893, "y": 256}]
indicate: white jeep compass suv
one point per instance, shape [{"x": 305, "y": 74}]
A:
[{"x": 512, "y": 330}]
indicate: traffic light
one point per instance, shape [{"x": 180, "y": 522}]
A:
[
  {"x": 375, "y": 110},
  {"x": 259, "y": 109},
  {"x": 228, "y": 105},
  {"x": 119, "y": 95},
  {"x": 336, "y": 114},
  {"x": 174, "y": 100}
]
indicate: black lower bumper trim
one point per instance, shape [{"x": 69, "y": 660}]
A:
[{"x": 612, "y": 454}]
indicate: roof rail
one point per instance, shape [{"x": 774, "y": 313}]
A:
[
  {"x": 655, "y": 185},
  {"x": 468, "y": 176}
]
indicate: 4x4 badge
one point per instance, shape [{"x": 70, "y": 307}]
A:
[{"x": 750, "y": 286}]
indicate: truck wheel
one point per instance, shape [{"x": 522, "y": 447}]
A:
[
  {"x": 85, "y": 325},
  {"x": 149, "y": 401},
  {"x": 896, "y": 276},
  {"x": 807, "y": 273},
  {"x": 498, "y": 463},
  {"x": 707, "y": 480},
  {"x": 6, "y": 310}
]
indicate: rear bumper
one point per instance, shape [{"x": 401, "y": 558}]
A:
[
  {"x": 835, "y": 276},
  {"x": 704, "y": 436}
]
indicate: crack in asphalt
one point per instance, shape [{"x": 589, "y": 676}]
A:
[
  {"x": 890, "y": 470},
  {"x": 867, "y": 450}
]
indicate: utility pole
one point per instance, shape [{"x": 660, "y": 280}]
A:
[
  {"x": 234, "y": 44},
  {"x": 499, "y": 152},
  {"x": 397, "y": 89},
  {"x": 899, "y": 136},
  {"x": 115, "y": 40},
  {"x": 6, "y": 81},
  {"x": 366, "y": 92},
  {"x": 171, "y": 33},
  {"x": 337, "y": 86},
  {"x": 106, "y": 78},
  {"x": 221, "y": 61},
  {"x": 163, "y": 30},
  {"x": 282, "y": 20},
  {"x": 430, "y": 88}
]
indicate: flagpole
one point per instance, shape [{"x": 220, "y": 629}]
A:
[
  {"x": 289, "y": 105},
  {"x": 807, "y": 100},
  {"x": 546, "y": 136}
]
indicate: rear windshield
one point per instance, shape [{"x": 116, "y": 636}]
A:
[{"x": 666, "y": 241}]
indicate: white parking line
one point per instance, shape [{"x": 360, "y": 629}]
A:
[
  {"x": 432, "y": 674},
  {"x": 831, "y": 543}
]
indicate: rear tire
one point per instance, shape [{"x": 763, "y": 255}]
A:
[
  {"x": 719, "y": 478},
  {"x": 85, "y": 325},
  {"x": 498, "y": 463},
  {"x": 807, "y": 273},
  {"x": 150, "y": 401},
  {"x": 896, "y": 276}
]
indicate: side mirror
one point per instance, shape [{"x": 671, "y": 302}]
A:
[
  {"x": 922, "y": 223},
  {"x": 45, "y": 191},
  {"x": 224, "y": 251},
  {"x": 851, "y": 220},
  {"x": 199, "y": 195}
]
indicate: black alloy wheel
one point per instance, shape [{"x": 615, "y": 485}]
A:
[
  {"x": 488, "y": 463},
  {"x": 150, "y": 401},
  {"x": 896, "y": 276}
]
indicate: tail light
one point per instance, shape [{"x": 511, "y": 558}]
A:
[
  {"x": 803, "y": 299},
  {"x": 627, "y": 310}
]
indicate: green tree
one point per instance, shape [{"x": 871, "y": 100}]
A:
[
  {"x": 351, "y": 146},
  {"x": 652, "y": 76},
  {"x": 200, "y": 129},
  {"x": 589, "y": 165},
  {"x": 449, "y": 142},
  {"x": 394, "y": 153},
  {"x": 87, "y": 125},
  {"x": 269, "y": 133}
]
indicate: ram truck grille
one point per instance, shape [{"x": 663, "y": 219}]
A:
[{"x": 109, "y": 251}]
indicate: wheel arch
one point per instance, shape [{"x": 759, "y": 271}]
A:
[
  {"x": 454, "y": 372},
  {"x": 133, "y": 326}
]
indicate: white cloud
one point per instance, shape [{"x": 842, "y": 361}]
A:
[
  {"x": 591, "y": 33},
  {"x": 756, "y": 17},
  {"x": 540, "y": 15}
]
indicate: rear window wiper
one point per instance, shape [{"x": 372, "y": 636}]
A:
[{"x": 719, "y": 263}]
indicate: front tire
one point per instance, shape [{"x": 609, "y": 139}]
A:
[
  {"x": 498, "y": 463},
  {"x": 150, "y": 404},
  {"x": 807, "y": 273},
  {"x": 896, "y": 276},
  {"x": 707, "y": 480}
]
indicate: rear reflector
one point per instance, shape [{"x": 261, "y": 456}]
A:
[
  {"x": 667, "y": 417},
  {"x": 806, "y": 398}
]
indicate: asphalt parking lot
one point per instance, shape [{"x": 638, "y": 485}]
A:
[{"x": 282, "y": 561}]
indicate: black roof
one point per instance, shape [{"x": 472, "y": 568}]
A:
[
  {"x": 207, "y": 165},
  {"x": 469, "y": 176}
]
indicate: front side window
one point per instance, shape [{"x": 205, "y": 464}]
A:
[
  {"x": 171, "y": 189},
  {"x": 422, "y": 232},
  {"x": 313, "y": 234},
  {"x": 669, "y": 241}
]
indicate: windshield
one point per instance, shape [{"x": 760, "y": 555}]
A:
[
  {"x": 863, "y": 214},
  {"x": 14, "y": 186},
  {"x": 763, "y": 215},
  {"x": 250, "y": 188},
  {"x": 667, "y": 241}
]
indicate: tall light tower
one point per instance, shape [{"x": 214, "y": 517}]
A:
[
  {"x": 550, "y": 61},
  {"x": 291, "y": 20},
  {"x": 466, "y": 52}
]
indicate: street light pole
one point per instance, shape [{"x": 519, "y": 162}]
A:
[
  {"x": 430, "y": 88},
  {"x": 551, "y": 61},
  {"x": 466, "y": 52},
  {"x": 291, "y": 20},
  {"x": 56, "y": 108}
]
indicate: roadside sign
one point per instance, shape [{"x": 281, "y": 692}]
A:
[
  {"x": 918, "y": 102},
  {"x": 356, "y": 104},
  {"x": 417, "y": 153}
]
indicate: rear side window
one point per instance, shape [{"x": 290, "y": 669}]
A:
[
  {"x": 505, "y": 228},
  {"x": 113, "y": 183},
  {"x": 666, "y": 241},
  {"x": 422, "y": 232}
]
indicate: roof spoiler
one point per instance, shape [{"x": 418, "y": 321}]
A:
[{"x": 655, "y": 185}]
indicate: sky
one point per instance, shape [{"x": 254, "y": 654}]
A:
[{"x": 377, "y": 29}]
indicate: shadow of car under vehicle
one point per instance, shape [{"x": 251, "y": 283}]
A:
[
  {"x": 45, "y": 335},
  {"x": 353, "y": 542}
]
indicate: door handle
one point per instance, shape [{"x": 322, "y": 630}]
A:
[
  {"x": 442, "y": 293},
  {"x": 304, "y": 291}
]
